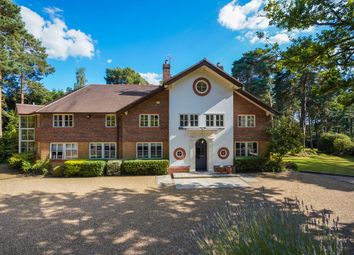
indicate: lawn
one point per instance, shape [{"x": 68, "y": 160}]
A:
[{"x": 323, "y": 163}]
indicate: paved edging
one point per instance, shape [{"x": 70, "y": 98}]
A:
[{"x": 311, "y": 172}]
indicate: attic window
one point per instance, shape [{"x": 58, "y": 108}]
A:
[{"x": 201, "y": 86}]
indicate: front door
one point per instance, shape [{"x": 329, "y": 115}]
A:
[{"x": 201, "y": 155}]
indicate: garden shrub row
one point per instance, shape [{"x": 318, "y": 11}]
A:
[
  {"x": 84, "y": 168},
  {"x": 145, "y": 167},
  {"x": 261, "y": 164}
]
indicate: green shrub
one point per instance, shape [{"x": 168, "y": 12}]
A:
[
  {"x": 40, "y": 167},
  {"x": 291, "y": 166},
  {"x": 17, "y": 159},
  {"x": 261, "y": 227},
  {"x": 26, "y": 167},
  {"x": 274, "y": 166},
  {"x": 327, "y": 143},
  {"x": 113, "y": 167},
  {"x": 84, "y": 168},
  {"x": 342, "y": 145},
  {"x": 249, "y": 164},
  {"x": 145, "y": 167},
  {"x": 58, "y": 171}
]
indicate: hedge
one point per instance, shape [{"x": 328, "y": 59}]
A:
[
  {"x": 335, "y": 143},
  {"x": 250, "y": 164},
  {"x": 145, "y": 167},
  {"x": 84, "y": 168},
  {"x": 113, "y": 167},
  {"x": 17, "y": 160}
]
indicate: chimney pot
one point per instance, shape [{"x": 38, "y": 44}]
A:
[{"x": 166, "y": 71}]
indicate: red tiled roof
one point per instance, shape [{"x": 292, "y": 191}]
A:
[
  {"x": 99, "y": 99},
  {"x": 24, "y": 109}
]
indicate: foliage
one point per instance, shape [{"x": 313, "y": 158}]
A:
[
  {"x": 260, "y": 227},
  {"x": 84, "y": 168},
  {"x": 331, "y": 48},
  {"x": 40, "y": 167},
  {"x": 335, "y": 143},
  {"x": 113, "y": 167},
  {"x": 17, "y": 159},
  {"x": 9, "y": 141},
  {"x": 123, "y": 76},
  {"x": 274, "y": 166},
  {"x": 58, "y": 171},
  {"x": 80, "y": 78},
  {"x": 286, "y": 137},
  {"x": 254, "y": 69},
  {"x": 291, "y": 166},
  {"x": 343, "y": 145},
  {"x": 249, "y": 164},
  {"x": 324, "y": 163},
  {"x": 145, "y": 167}
]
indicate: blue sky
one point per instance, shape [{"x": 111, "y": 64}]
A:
[{"x": 142, "y": 34}]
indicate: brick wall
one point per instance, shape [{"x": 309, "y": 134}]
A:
[
  {"x": 85, "y": 130},
  {"x": 130, "y": 133},
  {"x": 258, "y": 133}
]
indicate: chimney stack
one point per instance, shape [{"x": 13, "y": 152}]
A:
[
  {"x": 220, "y": 66},
  {"x": 166, "y": 71}
]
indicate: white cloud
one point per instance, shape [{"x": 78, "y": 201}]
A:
[
  {"x": 53, "y": 11},
  {"x": 109, "y": 61},
  {"x": 152, "y": 78},
  {"x": 59, "y": 41},
  {"x": 240, "y": 17},
  {"x": 280, "y": 38}
]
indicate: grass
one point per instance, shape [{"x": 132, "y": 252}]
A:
[{"x": 323, "y": 163}]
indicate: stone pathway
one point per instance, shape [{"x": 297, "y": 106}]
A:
[{"x": 205, "y": 181}]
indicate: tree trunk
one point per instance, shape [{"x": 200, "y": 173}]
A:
[
  {"x": 22, "y": 88},
  {"x": 310, "y": 133},
  {"x": 303, "y": 110},
  {"x": 0, "y": 104}
]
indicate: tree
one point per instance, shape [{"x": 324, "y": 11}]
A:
[
  {"x": 286, "y": 136},
  {"x": 32, "y": 60},
  {"x": 9, "y": 142},
  {"x": 123, "y": 76},
  {"x": 10, "y": 26},
  {"x": 80, "y": 78},
  {"x": 255, "y": 70},
  {"x": 332, "y": 49}
]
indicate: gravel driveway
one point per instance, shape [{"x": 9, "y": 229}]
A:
[{"x": 131, "y": 215}]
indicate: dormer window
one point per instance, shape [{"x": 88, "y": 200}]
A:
[{"x": 201, "y": 86}]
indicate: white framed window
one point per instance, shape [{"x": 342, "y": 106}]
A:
[
  {"x": 103, "y": 150},
  {"x": 149, "y": 150},
  {"x": 26, "y": 133},
  {"x": 188, "y": 120},
  {"x": 63, "y": 151},
  {"x": 246, "y": 120},
  {"x": 214, "y": 120},
  {"x": 63, "y": 120},
  {"x": 149, "y": 120},
  {"x": 246, "y": 149},
  {"x": 110, "y": 120}
]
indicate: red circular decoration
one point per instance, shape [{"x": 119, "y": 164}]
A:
[
  {"x": 206, "y": 82},
  {"x": 223, "y": 153},
  {"x": 179, "y": 153}
]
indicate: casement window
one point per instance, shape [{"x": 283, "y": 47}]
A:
[
  {"x": 246, "y": 121},
  {"x": 63, "y": 120},
  {"x": 63, "y": 151},
  {"x": 111, "y": 120},
  {"x": 149, "y": 150},
  {"x": 246, "y": 149},
  {"x": 214, "y": 120},
  {"x": 149, "y": 120},
  {"x": 103, "y": 150},
  {"x": 188, "y": 120},
  {"x": 26, "y": 133}
]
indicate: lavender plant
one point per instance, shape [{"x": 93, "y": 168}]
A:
[{"x": 263, "y": 228}]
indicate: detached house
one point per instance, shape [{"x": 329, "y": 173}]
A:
[{"x": 198, "y": 119}]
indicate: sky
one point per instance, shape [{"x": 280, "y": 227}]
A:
[{"x": 141, "y": 34}]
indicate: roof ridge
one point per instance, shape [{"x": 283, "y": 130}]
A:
[{"x": 62, "y": 97}]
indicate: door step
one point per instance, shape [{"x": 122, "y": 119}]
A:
[{"x": 202, "y": 175}]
